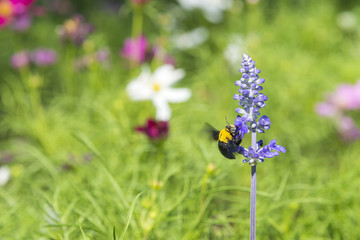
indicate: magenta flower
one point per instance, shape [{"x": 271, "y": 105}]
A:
[
  {"x": 15, "y": 11},
  {"x": 140, "y": 2},
  {"x": 20, "y": 59},
  {"x": 136, "y": 49},
  {"x": 155, "y": 130},
  {"x": 6, "y": 12},
  {"x": 43, "y": 57}
]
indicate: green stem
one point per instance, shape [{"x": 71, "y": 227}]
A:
[{"x": 137, "y": 22}]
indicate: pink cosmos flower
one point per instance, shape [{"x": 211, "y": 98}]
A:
[
  {"x": 6, "y": 12},
  {"x": 136, "y": 49},
  {"x": 15, "y": 10},
  {"x": 346, "y": 97},
  {"x": 140, "y": 2},
  {"x": 327, "y": 109},
  {"x": 20, "y": 59},
  {"x": 347, "y": 129}
]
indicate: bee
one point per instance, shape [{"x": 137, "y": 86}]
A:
[{"x": 228, "y": 139}]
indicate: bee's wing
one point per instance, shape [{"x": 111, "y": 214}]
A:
[{"x": 213, "y": 132}]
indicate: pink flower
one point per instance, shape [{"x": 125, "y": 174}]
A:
[
  {"x": 6, "y": 12},
  {"x": 43, "y": 57},
  {"x": 136, "y": 49},
  {"x": 155, "y": 130},
  {"x": 347, "y": 129},
  {"x": 140, "y": 2},
  {"x": 22, "y": 22},
  {"x": 346, "y": 97},
  {"x": 15, "y": 11},
  {"x": 327, "y": 109},
  {"x": 20, "y": 59}
]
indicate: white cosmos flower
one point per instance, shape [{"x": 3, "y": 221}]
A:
[
  {"x": 212, "y": 9},
  {"x": 156, "y": 86},
  {"x": 191, "y": 39},
  {"x": 4, "y": 175},
  {"x": 233, "y": 51}
]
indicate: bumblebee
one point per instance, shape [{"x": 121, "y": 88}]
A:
[{"x": 228, "y": 141}]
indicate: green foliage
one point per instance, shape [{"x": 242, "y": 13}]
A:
[{"x": 53, "y": 119}]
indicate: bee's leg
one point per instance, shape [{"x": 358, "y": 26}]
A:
[{"x": 238, "y": 141}]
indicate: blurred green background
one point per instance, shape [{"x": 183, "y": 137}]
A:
[{"x": 80, "y": 171}]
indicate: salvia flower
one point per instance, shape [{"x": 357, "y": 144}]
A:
[
  {"x": 154, "y": 130},
  {"x": 157, "y": 87},
  {"x": 75, "y": 30},
  {"x": 251, "y": 100}
]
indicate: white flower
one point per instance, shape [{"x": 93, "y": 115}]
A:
[
  {"x": 212, "y": 9},
  {"x": 4, "y": 175},
  {"x": 157, "y": 87},
  {"x": 234, "y": 50},
  {"x": 347, "y": 20},
  {"x": 191, "y": 39}
]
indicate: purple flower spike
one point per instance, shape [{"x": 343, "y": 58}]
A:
[{"x": 251, "y": 101}]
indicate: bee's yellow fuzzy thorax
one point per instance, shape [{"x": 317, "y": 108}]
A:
[{"x": 225, "y": 136}]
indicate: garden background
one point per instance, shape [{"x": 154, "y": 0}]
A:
[{"x": 73, "y": 166}]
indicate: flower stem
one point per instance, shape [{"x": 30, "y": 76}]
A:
[
  {"x": 137, "y": 23},
  {"x": 253, "y": 193}
]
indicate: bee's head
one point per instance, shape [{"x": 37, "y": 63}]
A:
[{"x": 231, "y": 128}]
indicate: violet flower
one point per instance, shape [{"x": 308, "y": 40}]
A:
[
  {"x": 22, "y": 22},
  {"x": 20, "y": 59},
  {"x": 154, "y": 130},
  {"x": 251, "y": 101},
  {"x": 43, "y": 57}
]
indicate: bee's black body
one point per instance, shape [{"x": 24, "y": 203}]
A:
[{"x": 227, "y": 141}]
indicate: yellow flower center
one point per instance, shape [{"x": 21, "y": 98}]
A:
[
  {"x": 5, "y": 8},
  {"x": 156, "y": 87}
]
